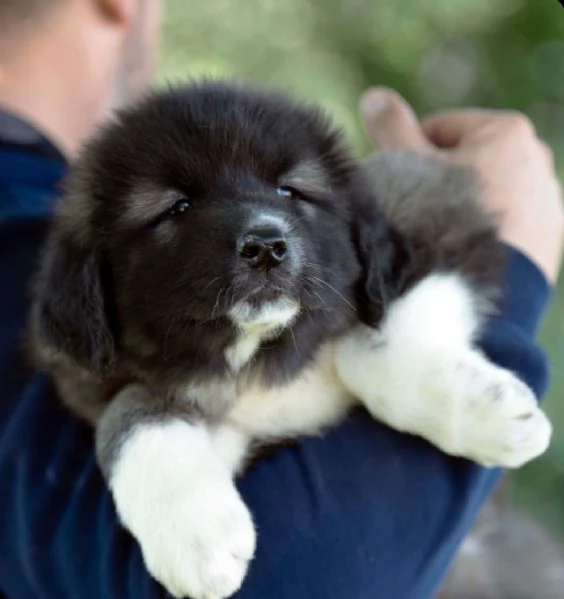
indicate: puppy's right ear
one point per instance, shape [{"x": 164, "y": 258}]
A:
[
  {"x": 386, "y": 260},
  {"x": 70, "y": 313}
]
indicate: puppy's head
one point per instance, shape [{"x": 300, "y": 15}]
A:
[{"x": 201, "y": 213}]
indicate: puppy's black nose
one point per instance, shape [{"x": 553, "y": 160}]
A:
[{"x": 263, "y": 247}]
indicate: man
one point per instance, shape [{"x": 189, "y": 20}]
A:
[{"x": 365, "y": 512}]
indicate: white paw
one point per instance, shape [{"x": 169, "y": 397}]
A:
[
  {"x": 502, "y": 424},
  {"x": 451, "y": 396},
  {"x": 202, "y": 546},
  {"x": 178, "y": 500},
  {"x": 419, "y": 374}
]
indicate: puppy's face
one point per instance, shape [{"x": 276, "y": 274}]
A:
[
  {"x": 199, "y": 214},
  {"x": 226, "y": 229}
]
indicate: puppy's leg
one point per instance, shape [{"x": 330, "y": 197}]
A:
[
  {"x": 420, "y": 374},
  {"x": 175, "y": 494}
]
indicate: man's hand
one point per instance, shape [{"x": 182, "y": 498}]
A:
[{"x": 516, "y": 168}]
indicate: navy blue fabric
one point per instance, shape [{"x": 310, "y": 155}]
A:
[{"x": 365, "y": 512}]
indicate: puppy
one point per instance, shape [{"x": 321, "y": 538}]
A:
[{"x": 222, "y": 273}]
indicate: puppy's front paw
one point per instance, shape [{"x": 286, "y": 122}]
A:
[
  {"x": 502, "y": 425},
  {"x": 178, "y": 500},
  {"x": 201, "y": 547},
  {"x": 451, "y": 396}
]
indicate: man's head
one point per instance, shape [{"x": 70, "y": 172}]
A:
[
  {"x": 65, "y": 64},
  {"x": 23, "y": 15}
]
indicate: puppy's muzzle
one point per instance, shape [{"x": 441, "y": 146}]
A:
[{"x": 263, "y": 247}]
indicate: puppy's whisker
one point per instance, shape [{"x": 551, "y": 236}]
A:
[
  {"x": 318, "y": 297},
  {"x": 211, "y": 283},
  {"x": 322, "y": 267},
  {"x": 217, "y": 300},
  {"x": 232, "y": 290},
  {"x": 291, "y": 329},
  {"x": 296, "y": 220},
  {"x": 312, "y": 293},
  {"x": 338, "y": 293}
]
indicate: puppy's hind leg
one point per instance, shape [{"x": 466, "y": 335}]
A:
[
  {"x": 175, "y": 494},
  {"x": 420, "y": 373}
]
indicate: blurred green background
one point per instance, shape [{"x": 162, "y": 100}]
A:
[{"x": 444, "y": 53}]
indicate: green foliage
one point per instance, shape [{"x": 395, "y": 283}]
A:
[{"x": 445, "y": 53}]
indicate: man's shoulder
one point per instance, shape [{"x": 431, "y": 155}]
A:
[
  {"x": 29, "y": 186},
  {"x": 28, "y": 192}
]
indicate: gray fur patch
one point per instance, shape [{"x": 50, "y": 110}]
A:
[
  {"x": 131, "y": 407},
  {"x": 436, "y": 206},
  {"x": 146, "y": 203},
  {"x": 309, "y": 177}
]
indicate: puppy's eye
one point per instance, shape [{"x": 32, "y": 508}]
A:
[
  {"x": 179, "y": 208},
  {"x": 287, "y": 192}
]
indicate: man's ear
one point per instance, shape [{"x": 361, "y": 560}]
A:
[
  {"x": 71, "y": 310},
  {"x": 119, "y": 11},
  {"x": 386, "y": 259}
]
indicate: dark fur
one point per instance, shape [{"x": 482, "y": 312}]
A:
[
  {"x": 120, "y": 304},
  {"x": 433, "y": 204},
  {"x": 115, "y": 304}
]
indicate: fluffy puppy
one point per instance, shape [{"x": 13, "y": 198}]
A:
[{"x": 222, "y": 273}]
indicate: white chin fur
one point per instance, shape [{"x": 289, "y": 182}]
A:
[
  {"x": 256, "y": 325},
  {"x": 267, "y": 317}
]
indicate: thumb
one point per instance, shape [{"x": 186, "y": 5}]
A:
[{"x": 391, "y": 123}]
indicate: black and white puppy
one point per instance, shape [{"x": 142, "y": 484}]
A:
[{"x": 222, "y": 273}]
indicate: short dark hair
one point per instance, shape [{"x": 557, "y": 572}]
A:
[{"x": 18, "y": 15}]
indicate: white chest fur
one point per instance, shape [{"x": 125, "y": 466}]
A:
[{"x": 314, "y": 400}]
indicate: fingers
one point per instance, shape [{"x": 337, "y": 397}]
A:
[
  {"x": 391, "y": 123},
  {"x": 548, "y": 154},
  {"x": 447, "y": 129}
]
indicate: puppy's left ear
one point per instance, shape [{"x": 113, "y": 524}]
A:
[
  {"x": 386, "y": 259},
  {"x": 71, "y": 316}
]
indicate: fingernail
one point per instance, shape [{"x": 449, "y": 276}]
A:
[{"x": 374, "y": 104}]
